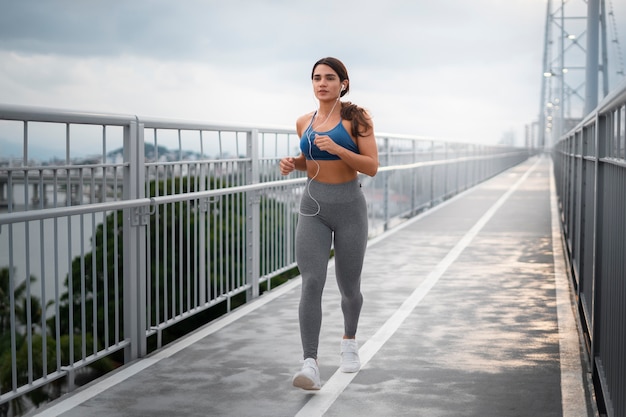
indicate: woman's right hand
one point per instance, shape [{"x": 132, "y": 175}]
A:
[{"x": 287, "y": 165}]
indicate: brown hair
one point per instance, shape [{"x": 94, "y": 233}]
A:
[{"x": 349, "y": 111}]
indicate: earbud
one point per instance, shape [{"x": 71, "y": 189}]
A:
[{"x": 343, "y": 87}]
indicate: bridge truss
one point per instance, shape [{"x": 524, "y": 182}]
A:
[{"x": 576, "y": 51}]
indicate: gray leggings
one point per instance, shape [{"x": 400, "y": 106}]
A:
[{"x": 342, "y": 221}]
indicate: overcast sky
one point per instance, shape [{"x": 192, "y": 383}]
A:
[{"x": 448, "y": 69}]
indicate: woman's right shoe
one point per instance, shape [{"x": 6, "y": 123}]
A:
[{"x": 309, "y": 376}]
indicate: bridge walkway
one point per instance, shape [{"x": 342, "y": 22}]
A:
[{"x": 467, "y": 313}]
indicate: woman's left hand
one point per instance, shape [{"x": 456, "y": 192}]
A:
[{"x": 325, "y": 143}]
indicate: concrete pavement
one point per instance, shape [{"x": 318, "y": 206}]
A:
[{"x": 466, "y": 313}]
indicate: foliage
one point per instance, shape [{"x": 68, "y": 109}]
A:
[
  {"x": 26, "y": 325},
  {"x": 90, "y": 313}
]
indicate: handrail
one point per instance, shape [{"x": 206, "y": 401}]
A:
[
  {"x": 46, "y": 114},
  {"x": 590, "y": 177}
]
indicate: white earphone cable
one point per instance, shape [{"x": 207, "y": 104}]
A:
[{"x": 308, "y": 132}]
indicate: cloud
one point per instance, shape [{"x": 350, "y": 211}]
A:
[
  {"x": 98, "y": 28},
  {"x": 212, "y": 31},
  {"x": 450, "y": 68}
]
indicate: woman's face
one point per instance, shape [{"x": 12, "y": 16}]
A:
[{"x": 326, "y": 83}]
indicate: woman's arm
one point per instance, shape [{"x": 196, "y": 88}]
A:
[
  {"x": 290, "y": 163},
  {"x": 366, "y": 161}
]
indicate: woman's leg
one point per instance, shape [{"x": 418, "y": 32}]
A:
[
  {"x": 313, "y": 240},
  {"x": 350, "y": 242}
]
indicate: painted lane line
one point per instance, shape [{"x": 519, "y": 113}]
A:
[
  {"x": 332, "y": 389},
  {"x": 84, "y": 394}
]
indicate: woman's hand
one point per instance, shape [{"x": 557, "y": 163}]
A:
[
  {"x": 287, "y": 165},
  {"x": 325, "y": 143}
]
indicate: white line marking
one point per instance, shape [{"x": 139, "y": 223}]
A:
[
  {"x": 573, "y": 397},
  {"x": 78, "y": 397},
  {"x": 324, "y": 398}
]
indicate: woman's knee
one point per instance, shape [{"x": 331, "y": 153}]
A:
[{"x": 312, "y": 287}]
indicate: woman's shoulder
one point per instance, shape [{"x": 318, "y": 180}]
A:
[
  {"x": 303, "y": 121},
  {"x": 356, "y": 119}
]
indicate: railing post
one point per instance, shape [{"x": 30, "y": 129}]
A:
[
  {"x": 134, "y": 243},
  {"x": 386, "y": 179},
  {"x": 253, "y": 228},
  {"x": 203, "y": 276},
  {"x": 432, "y": 174},
  {"x": 414, "y": 180},
  {"x": 446, "y": 168},
  {"x": 601, "y": 137}
]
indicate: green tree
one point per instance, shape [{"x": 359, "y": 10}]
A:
[
  {"x": 174, "y": 233},
  {"x": 19, "y": 294},
  {"x": 94, "y": 286},
  {"x": 23, "y": 357}
]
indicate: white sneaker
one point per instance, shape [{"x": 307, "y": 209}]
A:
[
  {"x": 350, "y": 361},
  {"x": 309, "y": 376}
]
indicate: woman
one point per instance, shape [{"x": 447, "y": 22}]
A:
[{"x": 337, "y": 141}]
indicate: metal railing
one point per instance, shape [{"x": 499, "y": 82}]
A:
[
  {"x": 161, "y": 221},
  {"x": 590, "y": 174}
]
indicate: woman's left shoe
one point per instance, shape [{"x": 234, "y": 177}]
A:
[{"x": 350, "y": 361}]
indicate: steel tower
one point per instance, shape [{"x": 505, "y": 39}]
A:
[{"x": 575, "y": 33}]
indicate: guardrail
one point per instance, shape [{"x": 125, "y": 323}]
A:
[
  {"x": 590, "y": 173},
  {"x": 164, "y": 221}
]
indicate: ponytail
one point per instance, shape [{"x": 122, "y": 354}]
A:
[{"x": 358, "y": 116}]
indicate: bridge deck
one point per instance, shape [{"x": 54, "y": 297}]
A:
[{"x": 467, "y": 313}]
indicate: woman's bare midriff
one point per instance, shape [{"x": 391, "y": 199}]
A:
[{"x": 330, "y": 172}]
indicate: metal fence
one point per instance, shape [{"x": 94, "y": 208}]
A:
[
  {"x": 590, "y": 172},
  {"x": 130, "y": 225}
]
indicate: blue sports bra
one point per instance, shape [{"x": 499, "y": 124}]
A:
[{"x": 338, "y": 134}]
